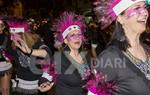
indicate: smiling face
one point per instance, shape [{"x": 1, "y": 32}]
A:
[
  {"x": 135, "y": 17},
  {"x": 74, "y": 39}
]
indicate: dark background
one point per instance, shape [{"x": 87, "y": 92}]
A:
[{"x": 53, "y": 6}]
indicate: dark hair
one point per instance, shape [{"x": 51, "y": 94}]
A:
[
  {"x": 118, "y": 37},
  {"x": 148, "y": 21}
]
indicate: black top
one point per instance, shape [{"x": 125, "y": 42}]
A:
[
  {"x": 4, "y": 45},
  {"x": 29, "y": 67},
  {"x": 68, "y": 82},
  {"x": 128, "y": 78}
]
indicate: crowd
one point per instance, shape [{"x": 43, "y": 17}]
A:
[{"x": 105, "y": 52}]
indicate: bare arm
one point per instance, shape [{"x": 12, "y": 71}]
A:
[
  {"x": 35, "y": 52},
  {"x": 38, "y": 52}
]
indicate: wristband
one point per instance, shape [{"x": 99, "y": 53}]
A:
[{"x": 29, "y": 54}]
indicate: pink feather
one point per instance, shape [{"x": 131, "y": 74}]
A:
[
  {"x": 19, "y": 23},
  {"x": 67, "y": 19}
]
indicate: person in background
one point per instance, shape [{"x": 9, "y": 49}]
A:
[
  {"x": 96, "y": 40},
  {"x": 5, "y": 62},
  {"x": 73, "y": 61},
  {"x": 30, "y": 54}
]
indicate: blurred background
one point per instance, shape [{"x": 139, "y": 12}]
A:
[{"x": 44, "y": 7}]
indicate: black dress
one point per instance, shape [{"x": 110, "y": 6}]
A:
[
  {"x": 127, "y": 77},
  {"x": 69, "y": 83}
]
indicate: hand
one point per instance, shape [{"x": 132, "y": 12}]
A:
[
  {"x": 22, "y": 45},
  {"x": 44, "y": 87}
]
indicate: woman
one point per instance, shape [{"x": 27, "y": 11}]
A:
[
  {"x": 126, "y": 61},
  {"x": 72, "y": 62},
  {"x": 30, "y": 55},
  {"x": 5, "y": 65}
]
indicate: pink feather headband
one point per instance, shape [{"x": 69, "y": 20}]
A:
[
  {"x": 67, "y": 22},
  {"x": 17, "y": 26},
  {"x": 108, "y": 10}
]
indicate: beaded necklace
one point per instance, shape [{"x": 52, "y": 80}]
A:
[
  {"x": 82, "y": 68},
  {"x": 144, "y": 66}
]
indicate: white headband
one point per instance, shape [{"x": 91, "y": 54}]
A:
[
  {"x": 123, "y": 5},
  {"x": 16, "y": 30},
  {"x": 69, "y": 29}
]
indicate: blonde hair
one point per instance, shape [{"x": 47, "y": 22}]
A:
[{"x": 30, "y": 38}]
